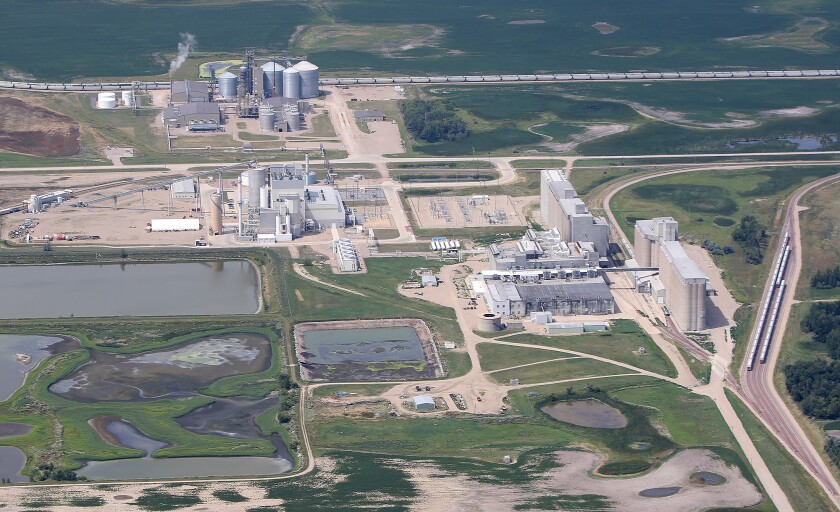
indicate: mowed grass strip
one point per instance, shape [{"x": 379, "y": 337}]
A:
[
  {"x": 496, "y": 357},
  {"x": 558, "y": 370},
  {"x": 621, "y": 343}
]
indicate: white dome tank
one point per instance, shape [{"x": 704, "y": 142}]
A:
[
  {"x": 308, "y": 79},
  {"x": 228, "y": 84},
  {"x": 126, "y": 98},
  {"x": 272, "y": 79},
  {"x": 291, "y": 83},
  {"x": 106, "y": 100}
]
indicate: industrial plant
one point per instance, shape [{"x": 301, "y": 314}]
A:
[
  {"x": 271, "y": 92},
  {"x": 561, "y": 207}
]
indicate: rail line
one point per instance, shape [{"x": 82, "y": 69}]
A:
[
  {"x": 766, "y": 325},
  {"x": 397, "y": 80}
]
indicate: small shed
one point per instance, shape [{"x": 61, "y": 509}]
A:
[
  {"x": 429, "y": 280},
  {"x": 541, "y": 317},
  {"x": 159, "y": 225},
  {"x": 184, "y": 189},
  {"x": 369, "y": 115},
  {"x": 595, "y": 326},
  {"x": 424, "y": 403},
  {"x": 564, "y": 328}
]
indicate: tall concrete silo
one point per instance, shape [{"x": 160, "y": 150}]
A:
[
  {"x": 228, "y": 83},
  {"x": 267, "y": 119},
  {"x": 216, "y": 213},
  {"x": 291, "y": 83},
  {"x": 308, "y": 79},
  {"x": 272, "y": 79}
]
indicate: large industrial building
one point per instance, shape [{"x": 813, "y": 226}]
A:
[
  {"x": 560, "y": 207},
  {"x": 680, "y": 284},
  {"x": 542, "y": 250},
  {"x": 562, "y": 293},
  {"x": 284, "y": 200},
  {"x": 193, "y": 116},
  {"x": 188, "y": 91}
]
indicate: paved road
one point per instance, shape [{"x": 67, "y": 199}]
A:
[{"x": 758, "y": 388}]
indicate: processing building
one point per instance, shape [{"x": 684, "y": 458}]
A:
[
  {"x": 189, "y": 91},
  {"x": 560, "y": 207},
  {"x": 563, "y": 292},
  {"x": 193, "y": 116},
  {"x": 542, "y": 250},
  {"x": 284, "y": 200},
  {"x": 681, "y": 284}
]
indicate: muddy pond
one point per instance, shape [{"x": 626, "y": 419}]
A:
[
  {"x": 165, "y": 373},
  {"x": 586, "y": 413},
  {"x": 19, "y": 353},
  {"x": 122, "y": 433},
  {"x": 11, "y": 462},
  {"x": 137, "y": 289},
  {"x": 363, "y": 351}
]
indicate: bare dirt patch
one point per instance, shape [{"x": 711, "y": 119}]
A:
[
  {"x": 526, "y": 22},
  {"x": 34, "y": 130},
  {"x": 791, "y": 112},
  {"x": 592, "y": 132},
  {"x": 803, "y": 36},
  {"x": 388, "y": 40},
  {"x": 605, "y": 28}
]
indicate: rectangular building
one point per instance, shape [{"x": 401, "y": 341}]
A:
[
  {"x": 561, "y": 208},
  {"x": 189, "y": 91},
  {"x": 586, "y": 296},
  {"x": 369, "y": 115},
  {"x": 194, "y": 116},
  {"x": 542, "y": 250}
]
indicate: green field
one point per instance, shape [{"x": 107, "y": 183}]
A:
[
  {"x": 556, "y": 371},
  {"x": 698, "y": 199},
  {"x": 819, "y": 249},
  {"x": 432, "y": 38},
  {"x": 621, "y": 344},
  {"x": 495, "y": 357}
]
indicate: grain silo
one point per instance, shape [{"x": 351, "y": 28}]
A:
[
  {"x": 291, "y": 115},
  {"x": 267, "y": 119},
  {"x": 228, "y": 83},
  {"x": 216, "y": 213},
  {"x": 291, "y": 83},
  {"x": 308, "y": 79},
  {"x": 106, "y": 100},
  {"x": 272, "y": 79}
]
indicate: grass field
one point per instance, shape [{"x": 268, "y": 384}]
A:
[
  {"x": 433, "y": 38},
  {"x": 802, "y": 490},
  {"x": 496, "y": 357},
  {"x": 621, "y": 344},
  {"x": 556, "y": 371},
  {"x": 819, "y": 232},
  {"x": 698, "y": 199}
]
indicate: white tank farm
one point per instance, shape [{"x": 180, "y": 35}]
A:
[
  {"x": 272, "y": 79},
  {"x": 106, "y": 100},
  {"x": 308, "y": 79},
  {"x": 228, "y": 84},
  {"x": 126, "y": 98},
  {"x": 291, "y": 83}
]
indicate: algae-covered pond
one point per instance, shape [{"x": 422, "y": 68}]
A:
[{"x": 136, "y": 289}]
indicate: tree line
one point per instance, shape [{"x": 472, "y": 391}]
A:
[
  {"x": 433, "y": 121},
  {"x": 752, "y": 236},
  {"x": 826, "y": 279}
]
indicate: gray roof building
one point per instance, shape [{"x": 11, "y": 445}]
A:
[
  {"x": 181, "y": 115},
  {"x": 369, "y": 115},
  {"x": 189, "y": 91}
]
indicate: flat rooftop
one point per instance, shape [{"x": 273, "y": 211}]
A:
[{"x": 686, "y": 267}]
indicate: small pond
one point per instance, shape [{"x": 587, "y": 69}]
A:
[
  {"x": 11, "y": 462},
  {"x": 660, "y": 492},
  {"x": 229, "y": 417},
  {"x": 148, "y": 467},
  {"x": 165, "y": 373},
  {"x": 586, "y": 413},
  {"x": 14, "y": 429},
  {"x": 19, "y": 353},
  {"x": 707, "y": 478},
  {"x": 135, "y": 289}
]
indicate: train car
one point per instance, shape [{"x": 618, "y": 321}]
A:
[
  {"x": 492, "y": 78},
  {"x": 563, "y": 77},
  {"x": 599, "y": 76},
  {"x": 828, "y": 72},
  {"x": 328, "y": 81},
  {"x": 438, "y": 79},
  {"x": 705, "y": 74},
  {"x": 810, "y": 72},
  {"x": 616, "y": 76},
  {"x": 775, "y": 74},
  {"x": 634, "y": 76},
  {"x": 670, "y": 76},
  {"x": 793, "y": 73},
  {"x": 757, "y": 74},
  {"x": 475, "y": 79},
  {"x": 581, "y": 76},
  {"x": 510, "y": 78},
  {"x": 456, "y": 79},
  {"x": 740, "y": 74},
  {"x": 688, "y": 74},
  {"x": 348, "y": 81},
  {"x": 419, "y": 79},
  {"x": 544, "y": 78},
  {"x": 383, "y": 80},
  {"x": 528, "y": 78},
  {"x": 653, "y": 76},
  {"x": 402, "y": 80},
  {"x": 723, "y": 74}
]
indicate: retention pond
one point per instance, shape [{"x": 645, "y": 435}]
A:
[
  {"x": 19, "y": 353},
  {"x": 586, "y": 413},
  {"x": 136, "y": 289}
]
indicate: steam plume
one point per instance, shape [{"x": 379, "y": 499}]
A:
[{"x": 186, "y": 45}]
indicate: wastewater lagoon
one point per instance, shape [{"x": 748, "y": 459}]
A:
[
  {"x": 20, "y": 353},
  {"x": 586, "y": 413},
  {"x": 131, "y": 289}
]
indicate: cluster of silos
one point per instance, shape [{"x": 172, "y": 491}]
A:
[
  {"x": 272, "y": 79},
  {"x": 291, "y": 114},
  {"x": 300, "y": 81}
]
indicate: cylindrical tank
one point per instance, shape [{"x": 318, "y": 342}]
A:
[
  {"x": 292, "y": 116},
  {"x": 228, "y": 82},
  {"x": 264, "y": 196},
  {"x": 291, "y": 83},
  {"x": 106, "y": 100},
  {"x": 490, "y": 322},
  {"x": 278, "y": 223},
  {"x": 126, "y": 98},
  {"x": 267, "y": 119},
  {"x": 272, "y": 79},
  {"x": 216, "y": 213},
  {"x": 256, "y": 179},
  {"x": 311, "y": 179},
  {"x": 308, "y": 79}
]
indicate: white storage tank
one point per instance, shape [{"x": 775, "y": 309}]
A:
[
  {"x": 106, "y": 100},
  {"x": 228, "y": 84},
  {"x": 308, "y": 79},
  {"x": 272, "y": 79},
  {"x": 256, "y": 179},
  {"x": 267, "y": 119},
  {"x": 264, "y": 195},
  {"x": 126, "y": 98},
  {"x": 291, "y": 83}
]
